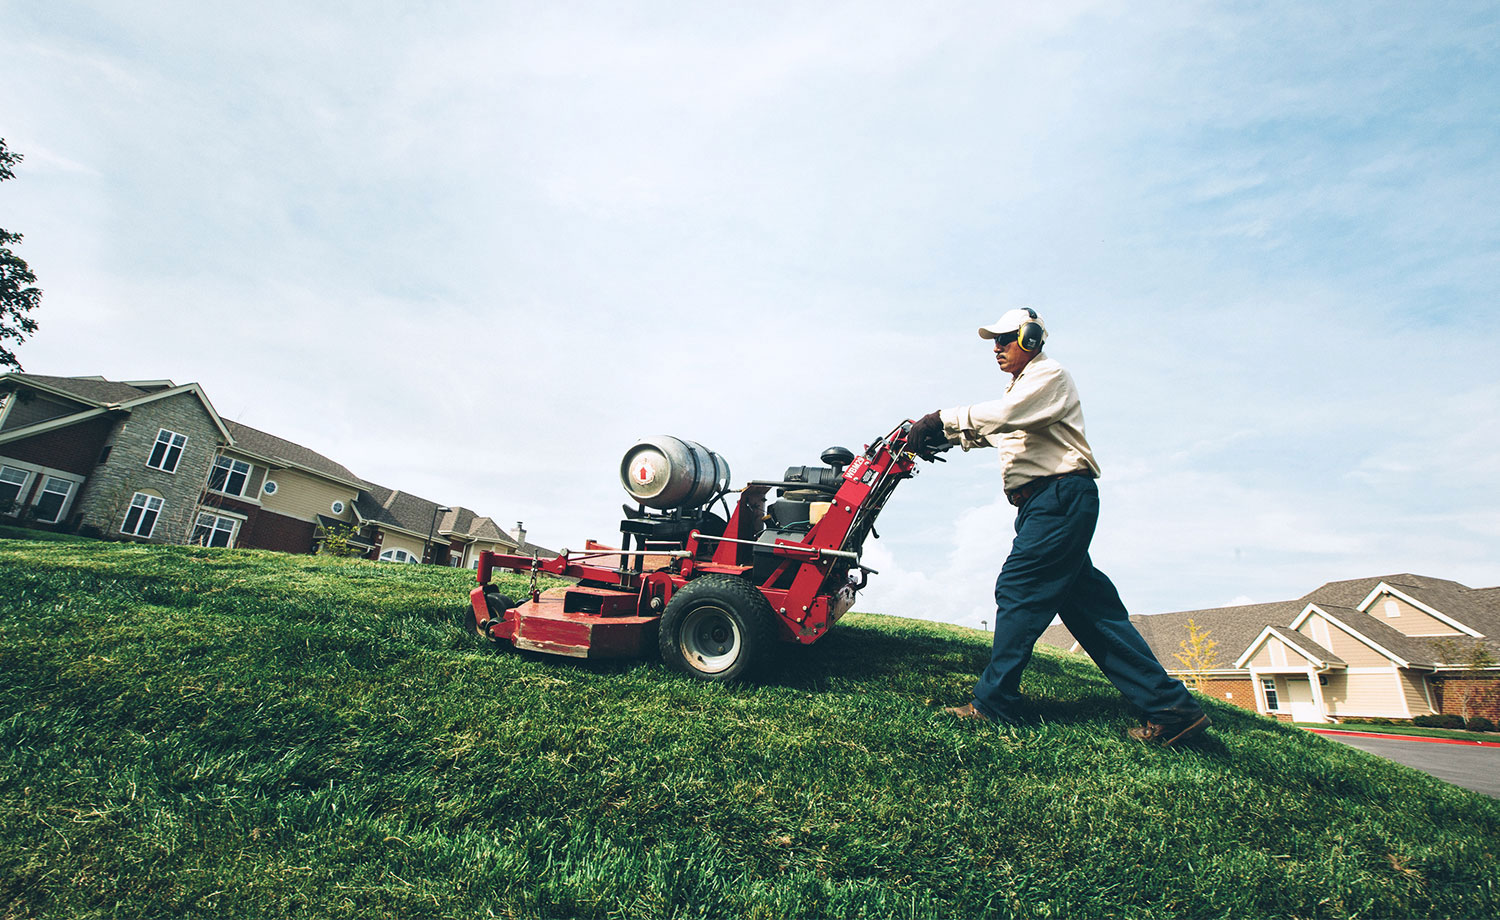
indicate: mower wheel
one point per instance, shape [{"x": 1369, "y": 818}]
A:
[
  {"x": 497, "y": 604},
  {"x": 716, "y": 628}
]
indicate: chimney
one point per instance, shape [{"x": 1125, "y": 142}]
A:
[{"x": 519, "y": 534}]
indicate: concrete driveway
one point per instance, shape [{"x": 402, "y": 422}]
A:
[{"x": 1471, "y": 766}]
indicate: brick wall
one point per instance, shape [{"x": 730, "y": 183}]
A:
[
  {"x": 281, "y": 533},
  {"x": 106, "y": 496},
  {"x": 1237, "y": 690},
  {"x": 1483, "y": 693}
]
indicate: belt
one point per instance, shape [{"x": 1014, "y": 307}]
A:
[{"x": 1022, "y": 494}]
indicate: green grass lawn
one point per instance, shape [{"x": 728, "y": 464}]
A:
[
  {"x": 212, "y": 733},
  {"x": 1413, "y": 730}
]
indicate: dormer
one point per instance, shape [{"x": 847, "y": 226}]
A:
[{"x": 1410, "y": 616}]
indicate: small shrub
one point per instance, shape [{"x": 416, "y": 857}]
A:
[
  {"x": 1480, "y": 724},
  {"x": 1445, "y": 720}
]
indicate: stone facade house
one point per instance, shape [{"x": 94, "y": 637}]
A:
[
  {"x": 1395, "y": 646},
  {"x": 153, "y": 461}
]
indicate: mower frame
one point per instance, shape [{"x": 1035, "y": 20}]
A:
[{"x": 623, "y": 594}]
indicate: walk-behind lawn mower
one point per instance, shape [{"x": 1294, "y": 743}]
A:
[{"x": 708, "y": 594}]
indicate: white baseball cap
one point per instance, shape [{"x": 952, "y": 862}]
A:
[{"x": 1012, "y": 321}]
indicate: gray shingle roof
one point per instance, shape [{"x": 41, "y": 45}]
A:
[
  {"x": 93, "y": 390},
  {"x": 255, "y": 441},
  {"x": 395, "y": 508},
  {"x": 1413, "y": 649}
]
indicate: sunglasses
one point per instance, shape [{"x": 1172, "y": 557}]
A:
[{"x": 1003, "y": 341}]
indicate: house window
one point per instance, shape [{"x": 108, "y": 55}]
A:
[
  {"x": 50, "y": 503},
  {"x": 270, "y": 487},
  {"x": 140, "y": 520},
  {"x": 1272, "y": 702},
  {"x": 229, "y": 476},
  {"x": 337, "y": 507},
  {"x": 12, "y": 481},
  {"x": 167, "y": 450},
  {"x": 214, "y": 530},
  {"x": 1392, "y": 609},
  {"x": 398, "y": 555}
]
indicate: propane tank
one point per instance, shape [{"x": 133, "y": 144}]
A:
[{"x": 665, "y": 472}]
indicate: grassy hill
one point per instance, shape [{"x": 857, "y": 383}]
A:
[{"x": 188, "y": 732}]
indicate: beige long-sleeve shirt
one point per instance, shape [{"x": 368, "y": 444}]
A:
[{"x": 1037, "y": 425}]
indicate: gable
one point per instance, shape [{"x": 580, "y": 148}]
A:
[
  {"x": 1340, "y": 641},
  {"x": 1427, "y": 610},
  {"x": 24, "y": 408},
  {"x": 1406, "y": 618},
  {"x": 1277, "y": 649}
]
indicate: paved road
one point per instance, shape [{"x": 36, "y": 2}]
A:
[{"x": 1475, "y": 767}]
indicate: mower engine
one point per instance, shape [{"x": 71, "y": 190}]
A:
[{"x": 707, "y": 592}]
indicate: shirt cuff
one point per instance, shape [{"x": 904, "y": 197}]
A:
[{"x": 958, "y": 426}]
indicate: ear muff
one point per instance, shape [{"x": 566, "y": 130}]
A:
[{"x": 1031, "y": 335}]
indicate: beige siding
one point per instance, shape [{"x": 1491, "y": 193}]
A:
[
  {"x": 1319, "y": 630},
  {"x": 413, "y": 545},
  {"x": 1375, "y": 694},
  {"x": 471, "y": 554},
  {"x": 1413, "y": 686},
  {"x": 1355, "y": 653},
  {"x": 303, "y": 497},
  {"x": 1408, "y": 619},
  {"x": 1277, "y": 654}
]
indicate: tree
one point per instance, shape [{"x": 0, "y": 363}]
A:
[
  {"x": 18, "y": 292},
  {"x": 338, "y": 541},
  {"x": 1199, "y": 654}
]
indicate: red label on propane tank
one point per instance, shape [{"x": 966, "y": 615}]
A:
[{"x": 644, "y": 473}]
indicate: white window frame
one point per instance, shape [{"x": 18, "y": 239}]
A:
[
  {"x": 394, "y": 555},
  {"x": 142, "y": 503},
  {"x": 173, "y": 441},
  {"x": 43, "y": 474},
  {"x": 62, "y": 506},
  {"x": 269, "y": 487},
  {"x": 1273, "y": 698},
  {"x": 21, "y": 488},
  {"x": 214, "y": 526},
  {"x": 230, "y": 466}
]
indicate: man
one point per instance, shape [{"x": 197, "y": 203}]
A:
[{"x": 1049, "y": 471}]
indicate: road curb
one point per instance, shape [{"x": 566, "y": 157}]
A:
[{"x": 1345, "y": 734}]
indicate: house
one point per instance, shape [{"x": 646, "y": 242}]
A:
[
  {"x": 408, "y": 528},
  {"x": 1395, "y": 646},
  {"x": 154, "y": 461}
]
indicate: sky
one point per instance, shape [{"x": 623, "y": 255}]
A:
[{"x": 474, "y": 251}]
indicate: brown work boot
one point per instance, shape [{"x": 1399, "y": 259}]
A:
[
  {"x": 1170, "y": 734},
  {"x": 966, "y": 711}
]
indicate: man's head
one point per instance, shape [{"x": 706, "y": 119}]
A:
[{"x": 1018, "y": 337}]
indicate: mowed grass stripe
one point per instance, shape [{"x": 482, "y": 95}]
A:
[{"x": 189, "y": 732}]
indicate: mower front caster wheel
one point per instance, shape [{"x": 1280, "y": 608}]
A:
[{"x": 717, "y": 628}]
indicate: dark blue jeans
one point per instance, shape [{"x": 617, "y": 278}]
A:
[{"x": 1049, "y": 572}]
